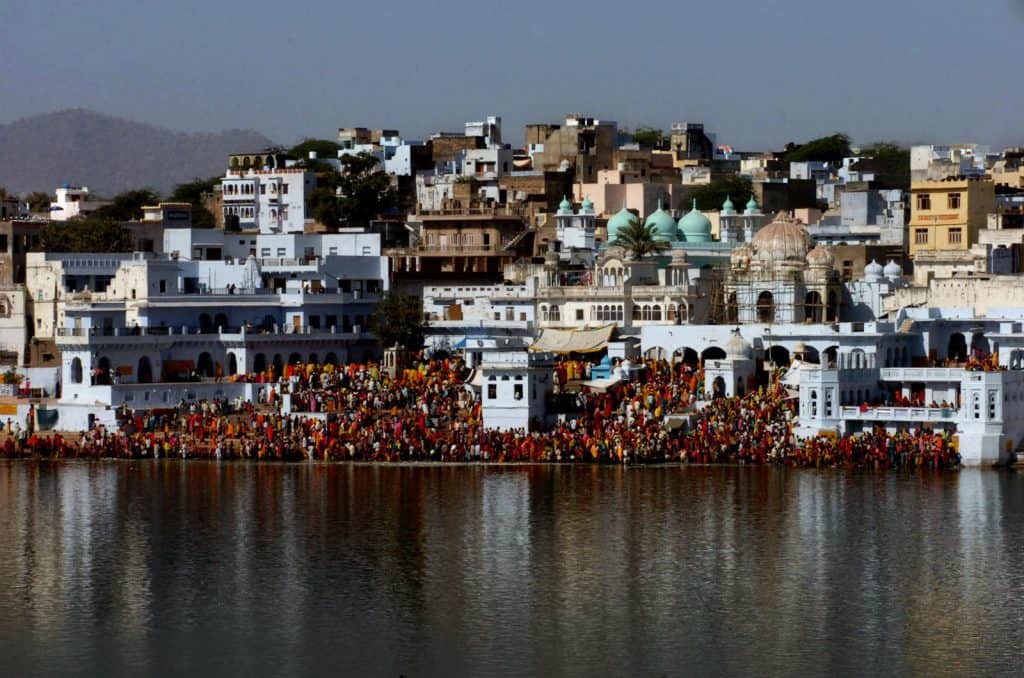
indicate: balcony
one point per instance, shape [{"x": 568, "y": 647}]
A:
[
  {"x": 922, "y": 374},
  {"x": 883, "y": 415}
]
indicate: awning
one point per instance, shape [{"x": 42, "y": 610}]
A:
[
  {"x": 573, "y": 341},
  {"x": 601, "y": 385}
]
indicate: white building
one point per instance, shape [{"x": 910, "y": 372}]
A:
[
  {"x": 73, "y": 201},
  {"x": 268, "y": 200},
  {"x": 516, "y": 383}
]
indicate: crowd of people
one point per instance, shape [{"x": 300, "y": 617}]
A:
[{"x": 428, "y": 412}]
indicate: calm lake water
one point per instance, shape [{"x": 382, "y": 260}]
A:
[{"x": 205, "y": 569}]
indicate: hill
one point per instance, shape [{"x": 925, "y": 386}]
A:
[{"x": 110, "y": 154}]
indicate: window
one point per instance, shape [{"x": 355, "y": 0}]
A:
[
  {"x": 920, "y": 236},
  {"x": 579, "y": 314},
  {"x": 924, "y": 201},
  {"x": 264, "y": 251},
  {"x": 517, "y": 392},
  {"x": 956, "y": 236},
  {"x": 366, "y": 250},
  {"x": 492, "y": 391},
  {"x": 280, "y": 251},
  {"x": 332, "y": 251},
  {"x": 497, "y": 315},
  {"x": 953, "y": 201},
  {"x": 163, "y": 286}
]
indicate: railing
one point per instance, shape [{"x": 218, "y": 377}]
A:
[
  {"x": 914, "y": 414},
  {"x": 943, "y": 374},
  {"x": 189, "y": 331}
]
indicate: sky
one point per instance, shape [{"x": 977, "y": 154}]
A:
[{"x": 756, "y": 73}]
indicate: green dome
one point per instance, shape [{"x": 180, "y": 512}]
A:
[
  {"x": 751, "y": 205},
  {"x": 620, "y": 220},
  {"x": 664, "y": 225},
  {"x": 695, "y": 226},
  {"x": 565, "y": 207},
  {"x": 727, "y": 206},
  {"x": 587, "y": 205}
]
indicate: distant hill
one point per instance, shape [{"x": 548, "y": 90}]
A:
[{"x": 109, "y": 154}]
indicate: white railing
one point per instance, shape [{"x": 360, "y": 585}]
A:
[
  {"x": 914, "y": 414},
  {"x": 944, "y": 374}
]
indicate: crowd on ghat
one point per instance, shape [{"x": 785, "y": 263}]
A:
[{"x": 427, "y": 412}]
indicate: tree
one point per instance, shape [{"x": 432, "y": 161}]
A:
[
  {"x": 194, "y": 192},
  {"x": 39, "y": 201},
  {"x": 650, "y": 137},
  {"x": 832, "y": 148},
  {"x": 128, "y": 206},
  {"x": 398, "y": 321},
  {"x": 90, "y": 234},
  {"x": 364, "y": 190},
  {"x": 734, "y": 187},
  {"x": 891, "y": 159},
  {"x": 323, "y": 148},
  {"x": 639, "y": 240}
]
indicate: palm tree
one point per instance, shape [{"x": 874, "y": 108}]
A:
[{"x": 639, "y": 240}]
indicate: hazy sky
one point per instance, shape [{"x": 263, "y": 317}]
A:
[{"x": 758, "y": 73}]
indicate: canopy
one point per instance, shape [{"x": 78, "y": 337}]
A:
[{"x": 573, "y": 341}]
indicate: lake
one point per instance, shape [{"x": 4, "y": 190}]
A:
[{"x": 204, "y": 569}]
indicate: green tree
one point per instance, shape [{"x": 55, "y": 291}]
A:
[
  {"x": 39, "y": 201},
  {"x": 650, "y": 137},
  {"x": 324, "y": 148},
  {"x": 733, "y": 187},
  {"x": 639, "y": 240},
  {"x": 891, "y": 159},
  {"x": 364, "y": 190},
  {"x": 128, "y": 206},
  {"x": 398, "y": 321},
  {"x": 91, "y": 234},
  {"x": 832, "y": 148},
  {"x": 194, "y": 192}
]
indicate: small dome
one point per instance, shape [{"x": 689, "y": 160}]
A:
[
  {"x": 695, "y": 226},
  {"x": 821, "y": 256},
  {"x": 620, "y": 220},
  {"x": 741, "y": 255},
  {"x": 752, "y": 207},
  {"x": 663, "y": 223},
  {"x": 737, "y": 348},
  {"x": 727, "y": 206},
  {"x": 565, "y": 207},
  {"x": 892, "y": 270},
  {"x": 873, "y": 272},
  {"x": 587, "y": 206},
  {"x": 782, "y": 240}
]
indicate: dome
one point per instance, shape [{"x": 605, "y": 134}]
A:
[
  {"x": 782, "y": 240},
  {"x": 752, "y": 207},
  {"x": 565, "y": 207},
  {"x": 737, "y": 347},
  {"x": 727, "y": 206},
  {"x": 821, "y": 256},
  {"x": 620, "y": 220},
  {"x": 587, "y": 206},
  {"x": 695, "y": 226},
  {"x": 664, "y": 224},
  {"x": 873, "y": 272},
  {"x": 892, "y": 270}
]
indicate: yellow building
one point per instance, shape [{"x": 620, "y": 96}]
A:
[{"x": 947, "y": 214}]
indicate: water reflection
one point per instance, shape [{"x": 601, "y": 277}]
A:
[{"x": 166, "y": 568}]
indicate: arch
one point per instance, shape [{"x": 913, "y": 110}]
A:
[
  {"x": 259, "y": 363},
  {"x": 811, "y": 355},
  {"x": 314, "y": 359},
  {"x": 831, "y": 353},
  {"x": 812, "y": 307},
  {"x": 647, "y": 312},
  {"x": 278, "y": 363},
  {"x": 713, "y": 353},
  {"x": 980, "y": 346},
  {"x": 331, "y": 359},
  {"x": 858, "y": 360},
  {"x": 637, "y": 312},
  {"x": 687, "y": 356},
  {"x": 220, "y": 321},
  {"x": 204, "y": 365},
  {"x": 765, "y": 307},
  {"x": 779, "y": 355},
  {"x": 144, "y": 375},
  {"x": 103, "y": 370},
  {"x": 205, "y": 323},
  {"x": 718, "y": 387},
  {"x": 76, "y": 371},
  {"x": 232, "y": 365},
  {"x": 656, "y": 312},
  {"x": 654, "y": 353},
  {"x": 956, "y": 350},
  {"x": 294, "y": 359}
]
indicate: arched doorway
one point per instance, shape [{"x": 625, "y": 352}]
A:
[
  {"x": 732, "y": 313},
  {"x": 259, "y": 363},
  {"x": 713, "y": 353},
  {"x": 779, "y": 355},
  {"x": 330, "y": 359},
  {"x": 220, "y": 321},
  {"x": 654, "y": 353},
  {"x": 686, "y": 356},
  {"x": 314, "y": 359},
  {"x": 294, "y": 359},
  {"x": 765, "y": 307},
  {"x": 103, "y": 371},
  {"x": 980, "y": 347},
  {"x": 957, "y": 348},
  {"x": 718, "y": 387},
  {"x": 205, "y": 323},
  {"x": 76, "y": 371},
  {"x": 278, "y": 364},
  {"x": 204, "y": 365},
  {"x": 145, "y": 371},
  {"x": 812, "y": 307},
  {"x": 232, "y": 365},
  {"x": 831, "y": 353}
]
